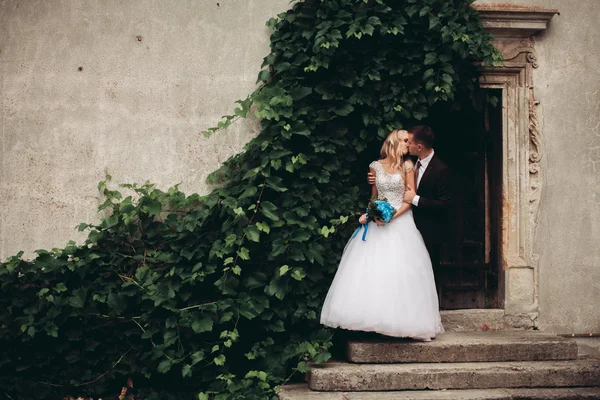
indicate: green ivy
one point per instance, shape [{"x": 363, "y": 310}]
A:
[{"x": 218, "y": 296}]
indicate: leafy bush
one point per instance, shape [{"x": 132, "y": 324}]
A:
[{"x": 219, "y": 295}]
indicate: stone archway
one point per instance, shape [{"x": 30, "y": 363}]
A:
[{"x": 522, "y": 148}]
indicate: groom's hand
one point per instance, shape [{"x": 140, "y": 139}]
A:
[
  {"x": 409, "y": 194},
  {"x": 371, "y": 178}
]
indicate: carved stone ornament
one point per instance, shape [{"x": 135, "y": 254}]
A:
[{"x": 535, "y": 156}]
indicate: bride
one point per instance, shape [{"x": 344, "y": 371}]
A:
[{"x": 385, "y": 284}]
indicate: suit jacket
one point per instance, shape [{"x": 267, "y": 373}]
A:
[{"x": 431, "y": 215}]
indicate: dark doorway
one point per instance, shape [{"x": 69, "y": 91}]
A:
[{"x": 470, "y": 142}]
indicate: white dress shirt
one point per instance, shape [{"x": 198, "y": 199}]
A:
[{"x": 424, "y": 163}]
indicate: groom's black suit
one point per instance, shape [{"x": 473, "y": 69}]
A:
[{"x": 431, "y": 214}]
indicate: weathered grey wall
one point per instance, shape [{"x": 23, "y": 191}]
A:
[
  {"x": 567, "y": 84},
  {"x": 134, "y": 111},
  {"x": 136, "y": 108}
]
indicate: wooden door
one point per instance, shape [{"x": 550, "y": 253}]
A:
[{"x": 469, "y": 141}]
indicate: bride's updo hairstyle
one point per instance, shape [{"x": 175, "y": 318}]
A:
[{"x": 392, "y": 149}]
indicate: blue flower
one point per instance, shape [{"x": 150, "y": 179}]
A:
[
  {"x": 385, "y": 209},
  {"x": 381, "y": 209}
]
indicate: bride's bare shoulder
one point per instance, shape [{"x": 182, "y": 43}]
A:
[{"x": 374, "y": 164}]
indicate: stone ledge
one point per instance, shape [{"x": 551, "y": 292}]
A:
[
  {"x": 387, "y": 377},
  {"x": 465, "y": 347},
  {"x": 514, "y": 21},
  {"x": 302, "y": 392}
]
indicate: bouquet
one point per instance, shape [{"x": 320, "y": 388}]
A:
[
  {"x": 377, "y": 209},
  {"x": 380, "y": 209}
]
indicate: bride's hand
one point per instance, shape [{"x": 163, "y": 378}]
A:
[
  {"x": 363, "y": 219},
  {"x": 379, "y": 222}
]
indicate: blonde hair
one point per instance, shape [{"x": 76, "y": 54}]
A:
[{"x": 392, "y": 150}]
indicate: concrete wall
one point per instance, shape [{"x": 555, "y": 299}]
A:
[
  {"x": 567, "y": 84},
  {"x": 135, "y": 110}
]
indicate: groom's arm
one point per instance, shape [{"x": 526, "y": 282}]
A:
[{"x": 443, "y": 194}]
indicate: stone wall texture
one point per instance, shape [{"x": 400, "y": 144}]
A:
[{"x": 125, "y": 88}]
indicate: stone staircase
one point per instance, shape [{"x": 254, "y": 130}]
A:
[{"x": 457, "y": 365}]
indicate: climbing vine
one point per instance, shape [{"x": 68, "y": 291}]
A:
[{"x": 218, "y": 296}]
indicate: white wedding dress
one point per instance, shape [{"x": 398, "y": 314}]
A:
[{"x": 385, "y": 284}]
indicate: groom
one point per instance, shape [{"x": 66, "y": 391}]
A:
[{"x": 431, "y": 198}]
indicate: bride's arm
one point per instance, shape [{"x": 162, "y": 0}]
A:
[
  {"x": 409, "y": 180},
  {"x": 405, "y": 207},
  {"x": 363, "y": 218}
]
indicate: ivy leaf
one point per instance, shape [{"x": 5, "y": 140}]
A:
[
  {"x": 78, "y": 298},
  {"x": 52, "y": 330},
  {"x": 374, "y": 75},
  {"x": 283, "y": 270},
  {"x": 186, "y": 371},
  {"x": 197, "y": 357},
  {"x": 264, "y": 75},
  {"x": 164, "y": 366},
  {"x": 430, "y": 58},
  {"x": 60, "y": 288},
  {"x": 276, "y": 183},
  {"x": 203, "y": 325},
  {"x": 344, "y": 110},
  {"x": 263, "y": 226},
  {"x": 268, "y": 210},
  {"x": 300, "y": 92},
  {"x": 117, "y": 302},
  {"x": 244, "y": 253},
  {"x": 368, "y": 29},
  {"x": 220, "y": 360},
  {"x": 325, "y": 231},
  {"x": 302, "y": 367},
  {"x": 153, "y": 207},
  {"x": 226, "y": 317},
  {"x": 322, "y": 357},
  {"x": 298, "y": 274},
  {"x": 301, "y": 235},
  {"x": 110, "y": 221},
  {"x": 253, "y": 233},
  {"x": 248, "y": 192},
  {"x": 433, "y": 22}
]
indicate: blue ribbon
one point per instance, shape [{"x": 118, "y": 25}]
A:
[{"x": 364, "y": 237}]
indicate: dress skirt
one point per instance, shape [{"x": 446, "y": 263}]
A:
[{"x": 385, "y": 284}]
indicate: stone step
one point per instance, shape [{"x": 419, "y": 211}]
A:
[
  {"x": 302, "y": 392},
  {"x": 338, "y": 376},
  {"x": 488, "y": 319},
  {"x": 465, "y": 347}
]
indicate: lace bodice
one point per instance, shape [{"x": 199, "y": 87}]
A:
[{"x": 390, "y": 186}]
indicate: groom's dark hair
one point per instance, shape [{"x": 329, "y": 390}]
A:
[{"x": 423, "y": 134}]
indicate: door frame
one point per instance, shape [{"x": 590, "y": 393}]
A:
[{"x": 522, "y": 150}]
